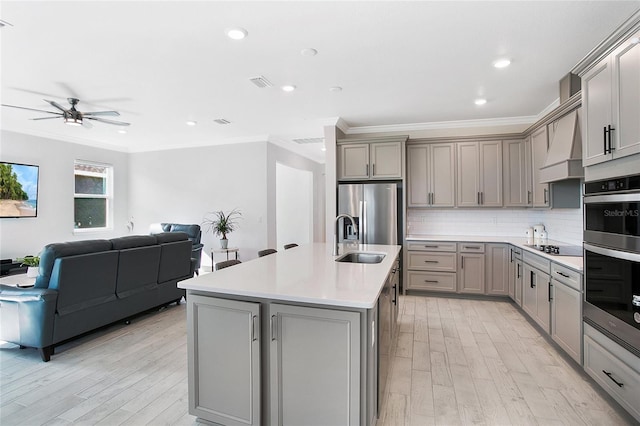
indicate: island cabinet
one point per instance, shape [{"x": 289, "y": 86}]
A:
[
  {"x": 360, "y": 159},
  {"x": 431, "y": 170},
  {"x": 611, "y": 102},
  {"x": 479, "y": 180}
]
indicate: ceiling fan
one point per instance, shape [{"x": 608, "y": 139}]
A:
[{"x": 74, "y": 117}]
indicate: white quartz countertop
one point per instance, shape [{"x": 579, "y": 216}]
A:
[
  {"x": 573, "y": 262},
  {"x": 305, "y": 274}
]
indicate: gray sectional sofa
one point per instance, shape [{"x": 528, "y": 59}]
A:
[{"x": 84, "y": 285}]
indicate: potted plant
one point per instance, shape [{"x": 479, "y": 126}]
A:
[
  {"x": 33, "y": 265},
  {"x": 221, "y": 224}
]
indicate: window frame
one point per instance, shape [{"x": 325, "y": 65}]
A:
[{"x": 108, "y": 195}]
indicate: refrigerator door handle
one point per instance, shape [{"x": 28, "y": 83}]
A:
[
  {"x": 361, "y": 224},
  {"x": 363, "y": 221}
]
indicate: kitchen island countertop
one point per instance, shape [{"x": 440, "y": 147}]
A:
[{"x": 304, "y": 274}]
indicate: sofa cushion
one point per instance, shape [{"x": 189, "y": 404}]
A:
[
  {"x": 137, "y": 270},
  {"x": 169, "y": 237},
  {"x": 133, "y": 241},
  {"x": 51, "y": 252},
  {"x": 175, "y": 261},
  {"x": 84, "y": 280},
  {"x": 192, "y": 231}
]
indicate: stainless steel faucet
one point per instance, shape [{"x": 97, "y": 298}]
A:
[{"x": 335, "y": 231}]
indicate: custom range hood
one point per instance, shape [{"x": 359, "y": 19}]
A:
[{"x": 564, "y": 156}]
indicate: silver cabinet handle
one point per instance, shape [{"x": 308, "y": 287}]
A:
[
  {"x": 273, "y": 331},
  {"x": 253, "y": 328},
  {"x": 528, "y": 197},
  {"x": 545, "y": 195}
]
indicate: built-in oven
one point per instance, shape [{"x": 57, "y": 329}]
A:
[{"x": 612, "y": 259}]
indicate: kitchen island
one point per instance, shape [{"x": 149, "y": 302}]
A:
[{"x": 292, "y": 338}]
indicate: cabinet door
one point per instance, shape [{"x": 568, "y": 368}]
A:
[
  {"x": 442, "y": 175},
  {"x": 318, "y": 351},
  {"x": 626, "y": 98},
  {"x": 386, "y": 160},
  {"x": 596, "y": 105},
  {"x": 515, "y": 173},
  {"x": 566, "y": 319},
  {"x": 385, "y": 331},
  {"x": 471, "y": 273},
  {"x": 353, "y": 162},
  {"x": 490, "y": 173},
  {"x": 529, "y": 293},
  {"x": 543, "y": 295},
  {"x": 512, "y": 275},
  {"x": 468, "y": 194},
  {"x": 417, "y": 160},
  {"x": 519, "y": 282},
  {"x": 497, "y": 266},
  {"x": 539, "y": 146},
  {"x": 224, "y": 360}
]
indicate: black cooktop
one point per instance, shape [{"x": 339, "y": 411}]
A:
[{"x": 558, "y": 250}]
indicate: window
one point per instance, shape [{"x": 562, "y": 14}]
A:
[{"x": 93, "y": 195}]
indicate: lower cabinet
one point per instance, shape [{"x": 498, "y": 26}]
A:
[
  {"x": 497, "y": 270},
  {"x": 254, "y": 363},
  {"x": 314, "y": 368},
  {"x": 566, "y": 310},
  {"x": 516, "y": 275},
  {"x": 471, "y": 273},
  {"x": 614, "y": 368},
  {"x": 536, "y": 297},
  {"x": 431, "y": 265}
]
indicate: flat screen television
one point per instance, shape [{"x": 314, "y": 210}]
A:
[{"x": 18, "y": 190}]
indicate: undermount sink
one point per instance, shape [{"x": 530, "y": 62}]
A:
[{"x": 361, "y": 257}]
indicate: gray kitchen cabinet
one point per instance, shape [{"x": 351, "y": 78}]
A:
[
  {"x": 539, "y": 147},
  {"x": 611, "y": 105},
  {"x": 566, "y": 310},
  {"x": 472, "y": 267},
  {"x": 516, "y": 156},
  {"x": 497, "y": 269},
  {"x": 320, "y": 346},
  {"x": 431, "y": 175},
  {"x": 536, "y": 296},
  {"x": 387, "y": 332},
  {"x": 479, "y": 174},
  {"x": 515, "y": 274},
  {"x": 371, "y": 160},
  {"x": 431, "y": 265},
  {"x": 224, "y": 361}
]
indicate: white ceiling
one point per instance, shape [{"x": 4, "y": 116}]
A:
[{"x": 399, "y": 63}]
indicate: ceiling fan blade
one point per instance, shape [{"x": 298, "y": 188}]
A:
[
  {"x": 32, "y": 109},
  {"x": 44, "y": 118},
  {"x": 102, "y": 120},
  {"x": 111, "y": 113},
  {"x": 86, "y": 124},
  {"x": 55, "y": 104}
]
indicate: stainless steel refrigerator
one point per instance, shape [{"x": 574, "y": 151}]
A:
[{"x": 375, "y": 208}]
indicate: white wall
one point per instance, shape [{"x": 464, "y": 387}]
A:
[
  {"x": 22, "y": 236},
  {"x": 182, "y": 185},
  {"x": 294, "y": 206}
]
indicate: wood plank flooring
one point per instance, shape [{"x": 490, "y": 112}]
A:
[{"x": 457, "y": 362}]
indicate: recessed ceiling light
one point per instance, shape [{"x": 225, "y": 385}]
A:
[
  {"x": 122, "y": 131},
  {"x": 308, "y": 52},
  {"x": 335, "y": 89},
  {"x": 324, "y": 148},
  {"x": 289, "y": 88},
  {"x": 635, "y": 40},
  {"x": 237, "y": 33},
  {"x": 480, "y": 101},
  {"x": 191, "y": 123},
  {"x": 502, "y": 63}
]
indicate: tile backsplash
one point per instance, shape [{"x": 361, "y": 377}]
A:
[{"x": 561, "y": 224}]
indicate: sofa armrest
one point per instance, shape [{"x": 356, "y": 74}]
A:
[{"x": 27, "y": 315}]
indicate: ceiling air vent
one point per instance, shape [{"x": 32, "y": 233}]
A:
[
  {"x": 222, "y": 121},
  {"x": 261, "y": 82},
  {"x": 309, "y": 140}
]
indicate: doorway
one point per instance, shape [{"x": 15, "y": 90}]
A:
[{"x": 294, "y": 205}]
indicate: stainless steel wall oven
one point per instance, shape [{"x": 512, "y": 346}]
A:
[{"x": 612, "y": 259}]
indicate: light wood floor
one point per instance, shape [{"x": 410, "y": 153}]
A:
[{"x": 457, "y": 362}]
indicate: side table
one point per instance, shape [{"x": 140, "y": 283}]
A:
[{"x": 221, "y": 250}]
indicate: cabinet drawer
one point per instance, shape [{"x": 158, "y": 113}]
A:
[
  {"x": 516, "y": 252},
  {"x": 431, "y": 246},
  {"x": 604, "y": 367},
  {"x": 538, "y": 262},
  {"x": 567, "y": 276},
  {"x": 439, "y": 281},
  {"x": 432, "y": 261},
  {"x": 471, "y": 247}
]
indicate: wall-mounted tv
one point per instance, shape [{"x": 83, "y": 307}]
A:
[{"x": 18, "y": 190}]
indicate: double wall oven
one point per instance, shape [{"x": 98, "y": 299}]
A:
[{"x": 612, "y": 259}]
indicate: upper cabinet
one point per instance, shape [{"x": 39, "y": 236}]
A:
[
  {"x": 611, "y": 103},
  {"x": 479, "y": 174},
  {"x": 516, "y": 166},
  {"x": 539, "y": 147},
  {"x": 431, "y": 170},
  {"x": 360, "y": 159}
]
